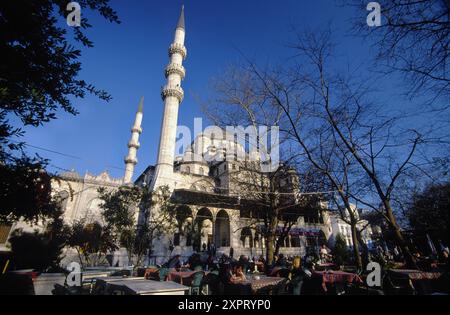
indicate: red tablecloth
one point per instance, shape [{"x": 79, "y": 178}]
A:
[{"x": 330, "y": 277}]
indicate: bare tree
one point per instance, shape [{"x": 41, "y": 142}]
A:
[
  {"x": 413, "y": 39},
  {"x": 363, "y": 150},
  {"x": 373, "y": 140},
  {"x": 275, "y": 91},
  {"x": 275, "y": 197}
]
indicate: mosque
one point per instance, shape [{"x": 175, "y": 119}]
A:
[{"x": 217, "y": 192}]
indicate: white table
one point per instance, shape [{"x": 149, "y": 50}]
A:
[{"x": 146, "y": 287}]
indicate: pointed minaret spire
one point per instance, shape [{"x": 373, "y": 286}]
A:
[
  {"x": 172, "y": 95},
  {"x": 181, "y": 23},
  {"x": 141, "y": 105},
  {"x": 133, "y": 145}
]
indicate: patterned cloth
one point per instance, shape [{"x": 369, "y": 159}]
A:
[
  {"x": 264, "y": 284},
  {"x": 415, "y": 274},
  {"x": 330, "y": 277}
]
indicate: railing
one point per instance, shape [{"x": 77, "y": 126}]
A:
[
  {"x": 175, "y": 91},
  {"x": 175, "y": 68},
  {"x": 178, "y": 48},
  {"x": 133, "y": 144}
]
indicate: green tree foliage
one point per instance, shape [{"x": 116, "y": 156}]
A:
[
  {"x": 92, "y": 242},
  {"x": 40, "y": 67},
  {"x": 41, "y": 251},
  {"x": 25, "y": 191},
  {"x": 341, "y": 254},
  {"x": 38, "y": 77},
  {"x": 120, "y": 212}
]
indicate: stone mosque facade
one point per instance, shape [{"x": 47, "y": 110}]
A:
[{"x": 208, "y": 188}]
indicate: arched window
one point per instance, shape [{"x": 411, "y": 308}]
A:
[
  {"x": 201, "y": 171},
  {"x": 246, "y": 238},
  {"x": 188, "y": 169},
  {"x": 222, "y": 229}
]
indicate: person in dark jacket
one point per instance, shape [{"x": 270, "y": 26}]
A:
[{"x": 297, "y": 276}]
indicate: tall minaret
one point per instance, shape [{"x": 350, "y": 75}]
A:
[
  {"x": 133, "y": 145},
  {"x": 172, "y": 95}
]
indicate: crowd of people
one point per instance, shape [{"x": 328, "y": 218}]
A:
[
  {"x": 232, "y": 270},
  {"x": 298, "y": 270}
]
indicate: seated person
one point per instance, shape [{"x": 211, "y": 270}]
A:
[
  {"x": 297, "y": 276},
  {"x": 174, "y": 262},
  {"x": 444, "y": 259},
  {"x": 238, "y": 274},
  {"x": 280, "y": 261},
  {"x": 195, "y": 262},
  {"x": 325, "y": 254},
  {"x": 243, "y": 261},
  {"x": 262, "y": 259}
]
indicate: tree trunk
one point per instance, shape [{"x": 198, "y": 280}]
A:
[
  {"x": 365, "y": 249},
  {"x": 278, "y": 245},
  {"x": 80, "y": 257},
  {"x": 356, "y": 253},
  {"x": 407, "y": 255},
  {"x": 272, "y": 237},
  {"x": 353, "y": 222},
  {"x": 270, "y": 250}
]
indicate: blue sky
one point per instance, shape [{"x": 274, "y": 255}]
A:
[{"x": 128, "y": 61}]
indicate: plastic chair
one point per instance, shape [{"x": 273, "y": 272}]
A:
[
  {"x": 163, "y": 273},
  {"x": 196, "y": 284}
]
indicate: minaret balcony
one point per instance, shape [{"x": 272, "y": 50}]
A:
[
  {"x": 133, "y": 144},
  {"x": 177, "y": 69},
  {"x": 131, "y": 160},
  {"x": 136, "y": 129},
  {"x": 177, "y": 48},
  {"x": 175, "y": 91}
]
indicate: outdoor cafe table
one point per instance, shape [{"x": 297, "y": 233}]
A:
[
  {"x": 146, "y": 287},
  {"x": 415, "y": 274},
  {"x": 261, "y": 284},
  {"x": 331, "y": 277},
  {"x": 101, "y": 284},
  {"x": 423, "y": 282}
]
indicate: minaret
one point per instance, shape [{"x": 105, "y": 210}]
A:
[
  {"x": 172, "y": 95},
  {"x": 133, "y": 145}
]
